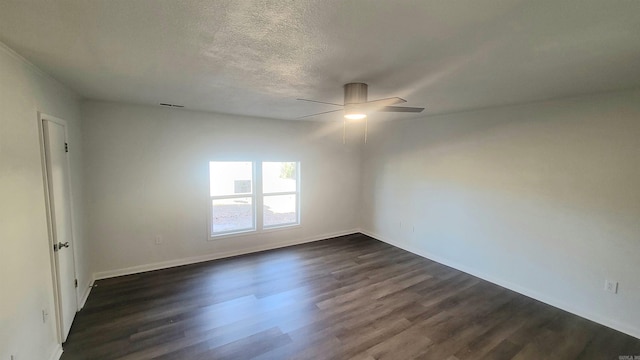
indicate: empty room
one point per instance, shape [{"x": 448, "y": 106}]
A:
[{"x": 438, "y": 179}]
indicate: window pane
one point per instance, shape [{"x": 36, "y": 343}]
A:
[
  {"x": 280, "y": 210},
  {"x": 230, "y": 177},
  {"x": 232, "y": 215},
  {"x": 279, "y": 176}
]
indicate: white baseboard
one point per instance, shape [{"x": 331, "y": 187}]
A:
[
  {"x": 56, "y": 353},
  {"x": 85, "y": 296},
  {"x": 600, "y": 319},
  {"x": 208, "y": 257}
]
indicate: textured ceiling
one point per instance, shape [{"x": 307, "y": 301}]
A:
[{"x": 257, "y": 57}]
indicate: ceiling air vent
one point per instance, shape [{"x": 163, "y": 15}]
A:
[{"x": 172, "y": 105}]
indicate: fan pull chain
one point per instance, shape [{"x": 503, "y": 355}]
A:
[
  {"x": 344, "y": 130},
  {"x": 366, "y": 128}
]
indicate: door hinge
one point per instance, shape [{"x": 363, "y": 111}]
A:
[
  {"x": 55, "y": 247},
  {"x": 66, "y": 147},
  {"x": 76, "y": 282}
]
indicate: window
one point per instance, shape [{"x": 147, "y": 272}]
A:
[
  {"x": 280, "y": 193},
  {"x": 232, "y": 197},
  {"x": 235, "y": 196}
]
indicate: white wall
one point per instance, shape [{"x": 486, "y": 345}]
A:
[
  {"x": 25, "y": 281},
  {"x": 542, "y": 198},
  {"x": 147, "y": 174}
]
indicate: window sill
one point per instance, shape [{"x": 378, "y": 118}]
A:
[
  {"x": 279, "y": 227},
  {"x": 253, "y": 232}
]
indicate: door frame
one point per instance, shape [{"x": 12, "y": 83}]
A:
[{"x": 50, "y": 241}]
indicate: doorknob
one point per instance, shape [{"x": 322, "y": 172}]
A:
[{"x": 61, "y": 245}]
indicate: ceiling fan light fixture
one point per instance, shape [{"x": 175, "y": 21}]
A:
[
  {"x": 357, "y": 106},
  {"x": 355, "y": 116},
  {"x": 354, "y": 112}
]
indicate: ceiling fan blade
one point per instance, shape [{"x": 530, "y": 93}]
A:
[
  {"x": 400, "y": 109},
  {"x": 386, "y": 102},
  {"x": 320, "y": 102},
  {"x": 326, "y": 112},
  {"x": 375, "y": 105}
]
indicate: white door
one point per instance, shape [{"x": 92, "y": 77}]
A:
[{"x": 58, "y": 184}]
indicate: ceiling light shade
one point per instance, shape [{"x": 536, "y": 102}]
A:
[
  {"x": 355, "y": 116},
  {"x": 354, "y": 112}
]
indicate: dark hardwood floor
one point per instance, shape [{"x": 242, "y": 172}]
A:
[{"x": 351, "y": 297}]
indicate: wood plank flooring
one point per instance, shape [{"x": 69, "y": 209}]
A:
[{"x": 350, "y": 297}]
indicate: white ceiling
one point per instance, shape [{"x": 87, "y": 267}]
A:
[{"x": 257, "y": 57}]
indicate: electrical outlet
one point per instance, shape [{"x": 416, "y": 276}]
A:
[
  {"x": 611, "y": 286},
  {"x": 158, "y": 239},
  {"x": 45, "y": 315}
]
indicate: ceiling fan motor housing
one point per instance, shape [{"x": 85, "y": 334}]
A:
[{"x": 354, "y": 94}]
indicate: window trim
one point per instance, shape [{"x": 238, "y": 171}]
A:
[{"x": 257, "y": 195}]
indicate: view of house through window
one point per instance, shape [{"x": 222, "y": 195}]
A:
[{"x": 235, "y": 196}]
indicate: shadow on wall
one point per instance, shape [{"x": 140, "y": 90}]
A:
[
  {"x": 560, "y": 154},
  {"x": 541, "y": 195}
]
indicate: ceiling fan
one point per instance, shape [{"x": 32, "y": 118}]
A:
[{"x": 356, "y": 106}]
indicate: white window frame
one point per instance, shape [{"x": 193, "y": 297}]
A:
[
  {"x": 263, "y": 195},
  {"x": 252, "y": 195},
  {"x": 257, "y": 200}
]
